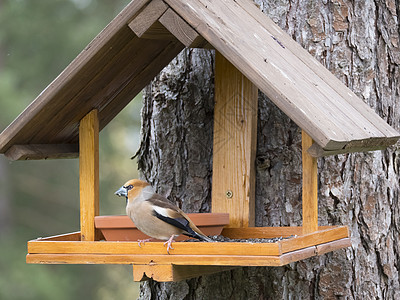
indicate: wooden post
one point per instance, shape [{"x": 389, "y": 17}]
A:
[
  {"x": 234, "y": 147},
  {"x": 310, "y": 187},
  {"x": 169, "y": 272},
  {"x": 89, "y": 173}
]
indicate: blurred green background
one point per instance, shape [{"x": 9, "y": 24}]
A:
[{"x": 38, "y": 39}]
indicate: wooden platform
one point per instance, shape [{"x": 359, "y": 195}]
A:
[{"x": 189, "y": 259}]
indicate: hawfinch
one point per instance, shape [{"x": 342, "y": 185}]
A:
[{"x": 155, "y": 215}]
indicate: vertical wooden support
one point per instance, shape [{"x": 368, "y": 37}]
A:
[
  {"x": 234, "y": 147},
  {"x": 89, "y": 173},
  {"x": 310, "y": 187},
  {"x": 168, "y": 273}
]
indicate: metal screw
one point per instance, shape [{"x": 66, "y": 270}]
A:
[{"x": 228, "y": 194}]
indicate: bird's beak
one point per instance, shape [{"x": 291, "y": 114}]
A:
[{"x": 122, "y": 192}]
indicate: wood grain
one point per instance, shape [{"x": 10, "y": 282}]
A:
[
  {"x": 74, "y": 236},
  {"x": 204, "y": 260},
  {"x": 325, "y": 235},
  {"x": 160, "y": 273},
  {"x": 265, "y": 232},
  {"x": 104, "y": 88},
  {"x": 121, "y": 80},
  {"x": 347, "y": 94},
  {"x": 89, "y": 174},
  {"x": 64, "y": 249},
  {"x": 75, "y": 76},
  {"x": 234, "y": 146},
  {"x": 187, "y": 259},
  {"x": 298, "y": 255},
  {"x": 181, "y": 30},
  {"x": 286, "y": 79},
  {"x": 147, "y": 17},
  {"x": 169, "y": 272},
  {"x": 309, "y": 186},
  {"x": 157, "y": 31},
  {"x": 49, "y": 151},
  {"x": 180, "y": 248},
  {"x": 315, "y": 238},
  {"x": 332, "y": 246},
  {"x": 316, "y": 151}
]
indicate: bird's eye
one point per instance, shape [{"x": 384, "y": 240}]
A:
[{"x": 129, "y": 187}]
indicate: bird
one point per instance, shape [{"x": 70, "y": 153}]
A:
[{"x": 155, "y": 215}]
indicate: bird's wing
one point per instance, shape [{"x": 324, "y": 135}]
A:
[{"x": 168, "y": 212}]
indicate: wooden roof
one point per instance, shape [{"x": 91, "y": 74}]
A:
[{"x": 147, "y": 35}]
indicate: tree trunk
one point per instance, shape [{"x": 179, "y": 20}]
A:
[{"x": 359, "y": 42}]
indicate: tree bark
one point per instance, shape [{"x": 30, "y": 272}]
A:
[{"x": 359, "y": 42}]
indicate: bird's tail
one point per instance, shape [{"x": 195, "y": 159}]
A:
[
  {"x": 197, "y": 234},
  {"x": 204, "y": 238}
]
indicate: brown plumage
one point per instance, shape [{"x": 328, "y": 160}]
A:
[{"x": 155, "y": 216}]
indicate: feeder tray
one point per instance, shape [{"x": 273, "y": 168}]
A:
[{"x": 190, "y": 259}]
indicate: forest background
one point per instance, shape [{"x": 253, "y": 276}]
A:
[{"x": 38, "y": 39}]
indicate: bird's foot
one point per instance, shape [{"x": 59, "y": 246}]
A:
[
  {"x": 143, "y": 242},
  {"x": 169, "y": 243}
]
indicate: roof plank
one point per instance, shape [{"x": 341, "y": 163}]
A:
[
  {"x": 180, "y": 29},
  {"x": 50, "y": 151},
  {"x": 104, "y": 45},
  {"x": 347, "y": 94},
  {"x": 158, "y": 32},
  {"x": 117, "y": 68},
  {"x": 274, "y": 66},
  {"x": 136, "y": 59},
  {"x": 147, "y": 17}
]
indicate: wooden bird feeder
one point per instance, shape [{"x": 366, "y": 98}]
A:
[{"x": 251, "y": 53}]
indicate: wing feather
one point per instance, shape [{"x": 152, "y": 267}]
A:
[{"x": 166, "y": 211}]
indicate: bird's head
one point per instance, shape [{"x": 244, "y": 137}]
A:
[{"x": 131, "y": 189}]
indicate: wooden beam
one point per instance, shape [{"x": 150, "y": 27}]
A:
[
  {"x": 181, "y": 30},
  {"x": 266, "y": 232},
  {"x": 310, "y": 187},
  {"x": 73, "y": 236},
  {"x": 314, "y": 238},
  {"x": 47, "y": 151},
  {"x": 147, "y": 17},
  {"x": 151, "y": 248},
  {"x": 298, "y": 255},
  {"x": 317, "y": 151},
  {"x": 157, "y": 31},
  {"x": 219, "y": 260},
  {"x": 234, "y": 146},
  {"x": 332, "y": 246},
  {"x": 89, "y": 173},
  {"x": 160, "y": 273},
  {"x": 169, "y": 272}
]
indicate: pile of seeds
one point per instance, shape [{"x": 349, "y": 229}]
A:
[{"x": 220, "y": 238}]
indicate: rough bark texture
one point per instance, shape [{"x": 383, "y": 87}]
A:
[{"x": 359, "y": 42}]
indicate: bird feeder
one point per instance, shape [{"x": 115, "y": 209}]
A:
[{"x": 251, "y": 53}]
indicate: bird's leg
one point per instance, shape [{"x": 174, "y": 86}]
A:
[
  {"x": 143, "y": 241},
  {"x": 169, "y": 243}
]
